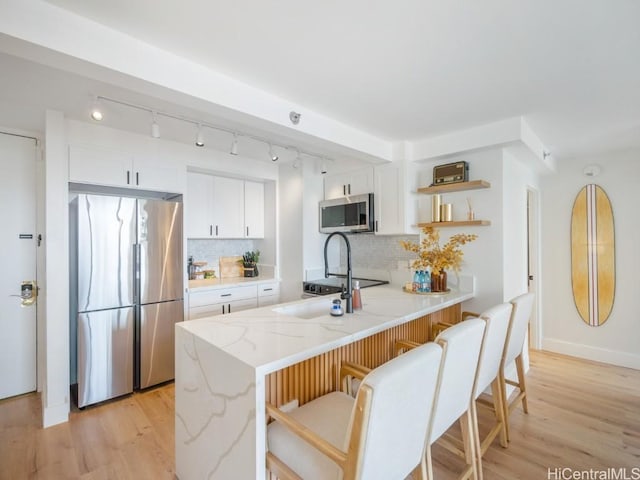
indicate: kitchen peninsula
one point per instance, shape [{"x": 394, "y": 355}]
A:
[{"x": 227, "y": 366}]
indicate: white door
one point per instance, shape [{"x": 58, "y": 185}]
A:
[{"x": 18, "y": 244}]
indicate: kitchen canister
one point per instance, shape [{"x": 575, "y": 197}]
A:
[{"x": 446, "y": 212}]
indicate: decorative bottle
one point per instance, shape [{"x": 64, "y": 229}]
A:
[
  {"x": 357, "y": 299},
  {"x": 416, "y": 281},
  {"x": 426, "y": 281}
]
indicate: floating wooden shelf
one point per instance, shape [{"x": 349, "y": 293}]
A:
[
  {"x": 461, "y": 223},
  {"x": 455, "y": 187}
]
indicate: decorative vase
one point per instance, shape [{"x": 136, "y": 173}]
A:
[{"x": 439, "y": 282}]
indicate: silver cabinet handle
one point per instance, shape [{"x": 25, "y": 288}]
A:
[
  {"x": 211, "y": 230},
  {"x": 128, "y": 177},
  {"x": 225, "y": 295},
  {"x": 137, "y": 178},
  {"x": 216, "y": 230}
]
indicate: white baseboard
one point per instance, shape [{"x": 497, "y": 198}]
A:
[{"x": 613, "y": 357}]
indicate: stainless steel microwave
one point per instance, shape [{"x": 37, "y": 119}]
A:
[{"x": 348, "y": 214}]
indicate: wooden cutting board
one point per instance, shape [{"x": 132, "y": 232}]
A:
[
  {"x": 231, "y": 267},
  {"x": 593, "y": 269}
]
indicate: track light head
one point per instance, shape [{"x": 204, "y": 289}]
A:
[
  {"x": 273, "y": 156},
  {"x": 199, "y": 137},
  {"x": 234, "y": 145},
  {"x": 155, "y": 128},
  {"x": 297, "y": 161},
  {"x": 96, "y": 110}
]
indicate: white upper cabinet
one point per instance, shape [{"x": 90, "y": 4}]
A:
[
  {"x": 351, "y": 183},
  {"x": 199, "y": 205},
  {"x": 254, "y": 209},
  {"x": 97, "y": 166},
  {"x": 228, "y": 208},
  {"x": 394, "y": 204},
  {"x": 221, "y": 207}
]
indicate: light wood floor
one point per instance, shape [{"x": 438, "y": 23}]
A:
[{"x": 583, "y": 415}]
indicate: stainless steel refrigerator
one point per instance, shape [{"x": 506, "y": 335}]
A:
[{"x": 129, "y": 291}]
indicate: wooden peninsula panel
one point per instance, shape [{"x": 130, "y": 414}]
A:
[{"x": 318, "y": 375}]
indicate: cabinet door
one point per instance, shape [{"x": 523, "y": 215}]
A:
[
  {"x": 228, "y": 207},
  {"x": 100, "y": 167},
  {"x": 389, "y": 200},
  {"x": 161, "y": 175},
  {"x": 352, "y": 183},
  {"x": 335, "y": 186},
  {"x": 360, "y": 182},
  {"x": 254, "y": 209},
  {"x": 198, "y": 205},
  {"x": 239, "y": 305}
]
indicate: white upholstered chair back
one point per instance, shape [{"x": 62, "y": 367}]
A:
[
  {"x": 497, "y": 323},
  {"x": 522, "y": 308},
  {"x": 401, "y": 407},
  {"x": 461, "y": 349}
]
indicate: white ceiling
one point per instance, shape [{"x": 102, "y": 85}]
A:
[{"x": 414, "y": 69}]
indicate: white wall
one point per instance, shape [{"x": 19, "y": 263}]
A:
[
  {"x": 290, "y": 194},
  {"x": 616, "y": 341},
  {"x": 517, "y": 179},
  {"x": 483, "y": 257}
]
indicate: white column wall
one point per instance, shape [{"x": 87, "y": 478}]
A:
[{"x": 55, "y": 392}]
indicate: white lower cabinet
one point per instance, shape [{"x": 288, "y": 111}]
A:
[
  {"x": 221, "y": 301},
  {"x": 268, "y": 294}
]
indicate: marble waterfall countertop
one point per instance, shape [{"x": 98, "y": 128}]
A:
[
  {"x": 274, "y": 337},
  {"x": 222, "y": 363}
]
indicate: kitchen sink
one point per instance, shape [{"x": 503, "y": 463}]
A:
[{"x": 308, "y": 309}]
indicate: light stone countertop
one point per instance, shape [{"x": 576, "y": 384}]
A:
[{"x": 273, "y": 337}]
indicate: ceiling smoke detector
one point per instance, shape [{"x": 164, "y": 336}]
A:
[{"x": 294, "y": 117}]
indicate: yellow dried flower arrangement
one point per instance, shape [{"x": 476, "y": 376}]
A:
[{"x": 431, "y": 255}]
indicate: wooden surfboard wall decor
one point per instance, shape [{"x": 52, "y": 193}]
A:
[{"x": 593, "y": 269}]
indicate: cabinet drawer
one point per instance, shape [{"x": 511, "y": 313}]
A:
[
  {"x": 223, "y": 295},
  {"x": 268, "y": 289}
]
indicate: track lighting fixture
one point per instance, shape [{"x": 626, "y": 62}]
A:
[
  {"x": 96, "y": 110},
  {"x": 323, "y": 166},
  {"x": 155, "y": 128},
  {"x": 273, "y": 156},
  {"x": 234, "y": 145},
  {"x": 199, "y": 137}
]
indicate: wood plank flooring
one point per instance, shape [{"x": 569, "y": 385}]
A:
[{"x": 583, "y": 415}]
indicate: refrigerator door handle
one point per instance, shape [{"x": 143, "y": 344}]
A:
[{"x": 136, "y": 280}]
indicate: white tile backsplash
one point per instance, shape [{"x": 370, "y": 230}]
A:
[
  {"x": 377, "y": 252},
  {"x": 211, "y": 250}
]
